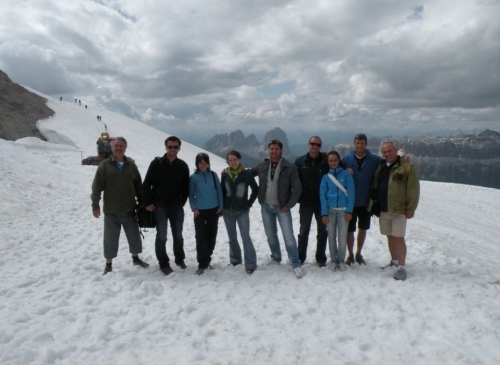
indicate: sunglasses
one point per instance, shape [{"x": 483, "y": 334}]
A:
[
  {"x": 173, "y": 147},
  {"x": 315, "y": 144}
]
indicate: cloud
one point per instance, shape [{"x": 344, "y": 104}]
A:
[
  {"x": 323, "y": 65},
  {"x": 149, "y": 114}
]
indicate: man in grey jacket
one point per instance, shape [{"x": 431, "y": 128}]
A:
[{"x": 279, "y": 191}]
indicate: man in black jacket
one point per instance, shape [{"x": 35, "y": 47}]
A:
[
  {"x": 165, "y": 191},
  {"x": 312, "y": 166}
]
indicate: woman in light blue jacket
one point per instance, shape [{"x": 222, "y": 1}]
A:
[
  {"x": 205, "y": 199},
  {"x": 337, "y": 197}
]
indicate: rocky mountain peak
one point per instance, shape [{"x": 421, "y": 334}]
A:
[
  {"x": 220, "y": 144},
  {"x": 20, "y": 109}
]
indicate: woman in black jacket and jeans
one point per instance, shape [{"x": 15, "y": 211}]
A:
[{"x": 235, "y": 182}]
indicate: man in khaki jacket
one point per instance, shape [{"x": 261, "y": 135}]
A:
[
  {"x": 396, "y": 188},
  {"x": 120, "y": 180}
]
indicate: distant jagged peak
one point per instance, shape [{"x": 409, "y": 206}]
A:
[
  {"x": 222, "y": 143},
  {"x": 252, "y": 140},
  {"x": 276, "y": 134},
  {"x": 488, "y": 133}
]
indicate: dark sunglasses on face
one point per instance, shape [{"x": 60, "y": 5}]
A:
[
  {"x": 315, "y": 144},
  {"x": 173, "y": 147}
]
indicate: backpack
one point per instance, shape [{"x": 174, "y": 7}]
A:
[{"x": 144, "y": 218}]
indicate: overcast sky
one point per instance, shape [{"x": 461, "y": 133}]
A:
[{"x": 202, "y": 67}]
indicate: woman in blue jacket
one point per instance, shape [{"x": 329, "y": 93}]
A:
[
  {"x": 235, "y": 182},
  {"x": 205, "y": 199},
  {"x": 337, "y": 197}
]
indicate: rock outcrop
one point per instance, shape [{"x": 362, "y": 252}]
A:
[{"x": 20, "y": 109}]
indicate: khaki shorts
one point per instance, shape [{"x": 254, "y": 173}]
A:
[{"x": 392, "y": 224}]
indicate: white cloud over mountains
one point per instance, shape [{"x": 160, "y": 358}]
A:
[{"x": 379, "y": 67}]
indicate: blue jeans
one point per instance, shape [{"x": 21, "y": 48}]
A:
[
  {"x": 337, "y": 227},
  {"x": 243, "y": 219},
  {"x": 176, "y": 216},
  {"x": 269, "y": 215},
  {"x": 306, "y": 213}
]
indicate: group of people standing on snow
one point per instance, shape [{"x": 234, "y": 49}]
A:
[{"x": 336, "y": 191}]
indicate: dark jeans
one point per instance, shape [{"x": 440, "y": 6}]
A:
[
  {"x": 205, "y": 226},
  {"x": 306, "y": 213},
  {"x": 176, "y": 216}
]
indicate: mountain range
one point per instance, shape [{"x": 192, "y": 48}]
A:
[{"x": 472, "y": 159}]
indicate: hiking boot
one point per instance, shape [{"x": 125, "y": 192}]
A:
[
  {"x": 321, "y": 264},
  {"x": 107, "y": 269},
  {"x": 359, "y": 260},
  {"x": 182, "y": 265},
  {"x": 341, "y": 267},
  {"x": 138, "y": 261},
  {"x": 250, "y": 271},
  {"x": 167, "y": 270},
  {"x": 400, "y": 274},
  {"x": 350, "y": 260},
  {"x": 299, "y": 273},
  {"x": 200, "y": 271}
]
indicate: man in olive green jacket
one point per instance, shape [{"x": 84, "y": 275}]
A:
[
  {"x": 396, "y": 188},
  {"x": 120, "y": 180}
]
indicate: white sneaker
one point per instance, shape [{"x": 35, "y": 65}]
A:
[
  {"x": 299, "y": 272},
  {"x": 400, "y": 274},
  {"x": 273, "y": 262},
  {"x": 342, "y": 267}
]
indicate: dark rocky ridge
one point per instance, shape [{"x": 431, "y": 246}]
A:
[
  {"x": 472, "y": 159},
  {"x": 20, "y": 109},
  {"x": 250, "y": 148},
  {"x": 464, "y": 159}
]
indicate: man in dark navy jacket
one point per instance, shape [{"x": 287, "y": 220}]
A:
[{"x": 362, "y": 164}]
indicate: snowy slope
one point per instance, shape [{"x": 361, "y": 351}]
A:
[{"x": 57, "y": 308}]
